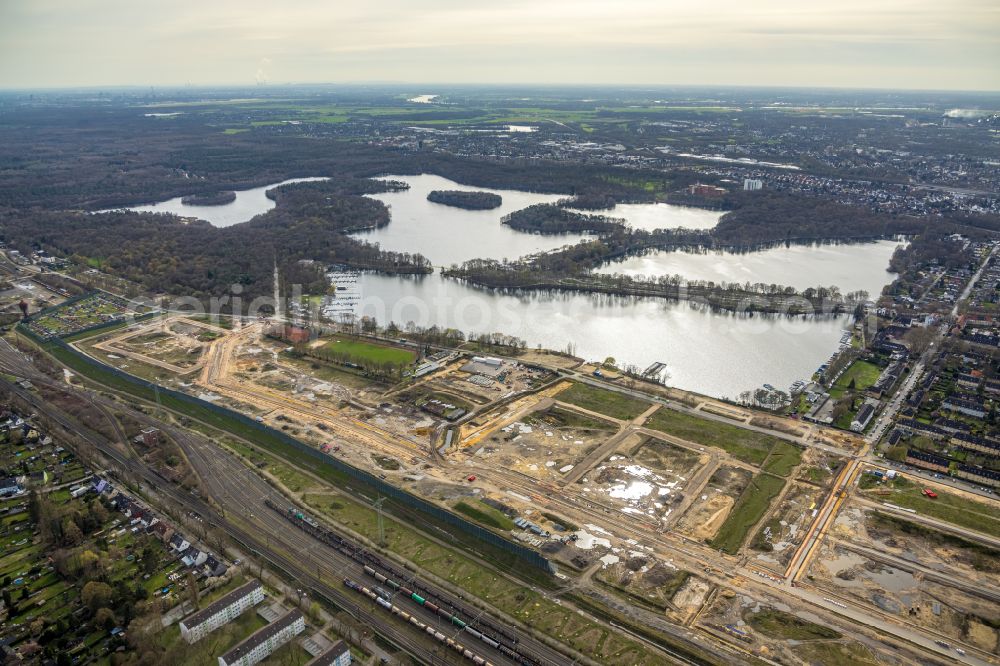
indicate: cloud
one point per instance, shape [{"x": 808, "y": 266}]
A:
[{"x": 890, "y": 43}]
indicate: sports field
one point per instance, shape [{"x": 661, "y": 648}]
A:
[{"x": 362, "y": 351}]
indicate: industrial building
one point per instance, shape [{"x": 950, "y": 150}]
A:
[
  {"x": 702, "y": 190},
  {"x": 262, "y": 643},
  {"x": 226, "y": 609}
]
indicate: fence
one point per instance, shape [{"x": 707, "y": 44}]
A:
[{"x": 213, "y": 412}]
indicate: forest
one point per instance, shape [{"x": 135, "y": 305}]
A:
[
  {"x": 466, "y": 200},
  {"x": 210, "y": 198},
  {"x": 549, "y": 219},
  {"x": 164, "y": 254},
  {"x": 123, "y": 158}
]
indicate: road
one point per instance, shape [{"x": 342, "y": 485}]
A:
[{"x": 972, "y": 282}]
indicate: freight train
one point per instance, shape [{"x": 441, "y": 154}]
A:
[
  {"x": 479, "y": 628},
  {"x": 453, "y": 618},
  {"x": 415, "y": 621}
]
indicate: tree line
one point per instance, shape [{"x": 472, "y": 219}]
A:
[
  {"x": 552, "y": 219},
  {"x": 164, "y": 254},
  {"x": 466, "y": 200}
]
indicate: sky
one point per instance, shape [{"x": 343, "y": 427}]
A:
[{"x": 907, "y": 44}]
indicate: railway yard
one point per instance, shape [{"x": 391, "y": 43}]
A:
[{"x": 687, "y": 524}]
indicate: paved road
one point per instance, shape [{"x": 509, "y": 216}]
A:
[{"x": 888, "y": 415}]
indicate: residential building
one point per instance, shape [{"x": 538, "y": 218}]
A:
[
  {"x": 984, "y": 445},
  {"x": 178, "y": 543},
  {"x": 863, "y": 417},
  {"x": 987, "y": 477},
  {"x": 194, "y": 557},
  {"x": 9, "y": 486},
  {"x": 927, "y": 461},
  {"x": 265, "y": 641},
  {"x": 753, "y": 184},
  {"x": 208, "y": 619},
  {"x": 972, "y": 408},
  {"x": 338, "y": 655}
]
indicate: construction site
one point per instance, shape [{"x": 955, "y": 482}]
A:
[{"x": 665, "y": 505}]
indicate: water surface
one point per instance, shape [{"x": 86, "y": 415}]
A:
[
  {"x": 248, "y": 203},
  {"x": 715, "y": 353},
  {"x": 850, "y": 267},
  {"x": 449, "y": 235},
  {"x": 649, "y": 217}
]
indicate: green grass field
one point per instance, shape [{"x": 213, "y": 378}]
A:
[
  {"x": 784, "y": 457},
  {"x": 746, "y": 445},
  {"x": 602, "y": 401},
  {"x": 778, "y": 624},
  {"x": 486, "y": 515},
  {"x": 366, "y": 351},
  {"x": 862, "y": 373},
  {"x": 749, "y": 509},
  {"x": 977, "y": 516}
]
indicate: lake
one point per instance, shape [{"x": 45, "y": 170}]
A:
[
  {"x": 247, "y": 204},
  {"x": 850, "y": 267},
  {"x": 649, "y": 217},
  {"x": 714, "y": 353},
  {"x": 447, "y": 235},
  {"x": 718, "y": 354}
]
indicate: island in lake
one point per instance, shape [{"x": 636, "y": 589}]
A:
[
  {"x": 550, "y": 219},
  {"x": 210, "y": 199},
  {"x": 467, "y": 200}
]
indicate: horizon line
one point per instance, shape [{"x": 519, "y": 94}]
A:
[{"x": 623, "y": 86}]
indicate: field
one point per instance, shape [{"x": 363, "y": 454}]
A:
[
  {"x": 949, "y": 507},
  {"x": 778, "y": 624},
  {"x": 555, "y": 417},
  {"x": 602, "y": 401},
  {"x": 749, "y": 509},
  {"x": 485, "y": 515},
  {"x": 862, "y": 373},
  {"x": 746, "y": 445},
  {"x": 362, "y": 351},
  {"x": 933, "y": 546},
  {"x": 786, "y": 526},
  {"x": 709, "y": 511},
  {"x": 783, "y": 459},
  {"x": 843, "y": 654}
]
